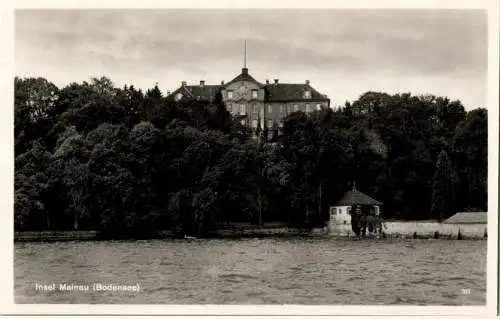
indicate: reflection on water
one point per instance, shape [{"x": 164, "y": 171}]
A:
[{"x": 256, "y": 271}]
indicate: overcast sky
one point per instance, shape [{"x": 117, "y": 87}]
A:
[{"x": 344, "y": 53}]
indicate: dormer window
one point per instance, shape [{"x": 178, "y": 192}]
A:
[
  {"x": 178, "y": 96},
  {"x": 307, "y": 94},
  {"x": 254, "y": 94},
  {"x": 230, "y": 95}
]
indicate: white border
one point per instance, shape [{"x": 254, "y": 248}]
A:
[{"x": 7, "y": 305}]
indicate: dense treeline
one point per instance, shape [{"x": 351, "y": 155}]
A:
[{"x": 129, "y": 163}]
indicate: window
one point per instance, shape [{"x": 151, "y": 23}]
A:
[
  {"x": 230, "y": 95},
  {"x": 295, "y": 107},
  {"x": 307, "y": 94},
  {"x": 254, "y": 94},
  {"x": 269, "y": 123},
  {"x": 242, "y": 109},
  {"x": 318, "y": 106},
  {"x": 242, "y": 122},
  {"x": 269, "y": 108},
  {"x": 333, "y": 212},
  {"x": 290, "y": 108},
  {"x": 349, "y": 210},
  {"x": 254, "y": 123},
  {"x": 308, "y": 108},
  {"x": 282, "y": 109},
  {"x": 255, "y": 110},
  {"x": 178, "y": 96}
]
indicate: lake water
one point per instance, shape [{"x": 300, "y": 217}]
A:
[{"x": 256, "y": 271}]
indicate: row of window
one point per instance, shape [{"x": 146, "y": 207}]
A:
[
  {"x": 255, "y": 123},
  {"x": 254, "y": 94},
  {"x": 307, "y": 94},
  {"x": 335, "y": 211},
  {"x": 282, "y": 108}
]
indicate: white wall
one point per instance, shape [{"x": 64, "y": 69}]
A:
[
  {"x": 421, "y": 228},
  {"x": 341, "y": 216}
]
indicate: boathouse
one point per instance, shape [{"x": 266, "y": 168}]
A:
[{"x": 340, "y": 213}]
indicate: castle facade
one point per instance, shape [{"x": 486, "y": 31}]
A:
[{"x": 259, "y": 105}]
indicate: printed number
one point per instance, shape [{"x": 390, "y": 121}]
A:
[{"x": 466, "y": 291}]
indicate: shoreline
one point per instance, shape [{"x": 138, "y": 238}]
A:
[{"x": 58, "y": 236}]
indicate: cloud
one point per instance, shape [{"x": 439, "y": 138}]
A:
[{"x": 425, "y": 45}]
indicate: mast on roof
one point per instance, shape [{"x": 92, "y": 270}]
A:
[{"x": 245, "y": 54}]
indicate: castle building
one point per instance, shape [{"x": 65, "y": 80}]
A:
[{"x": 254, "y": 103}]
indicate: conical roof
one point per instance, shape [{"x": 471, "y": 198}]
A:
[{"x": 355, "y": 197}]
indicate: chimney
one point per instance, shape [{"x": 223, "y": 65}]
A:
[
  {"x": 184, "y": 83},
  {"x": 168, "y": 92},
  {"x": 267, "y": 81},
  {"x": 276, "y": 81},
  {"x": 244, "y": 71},
  {"x": 221, "y": 82},
  {"x": 307, "y": 82},
  {"x": 202, "y": 83}
]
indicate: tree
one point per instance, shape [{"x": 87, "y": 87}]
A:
[
  {"x": 93, "y": 156},
  {"x": 71, "y": 170},
  {"x": 443, "y": 188},
  {"x": 470, "y": 152}
]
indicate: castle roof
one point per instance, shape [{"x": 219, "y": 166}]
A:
[
  {"x": 283, "y": 92},
  {"x": 201, "y": 92},
  {"x": 275, "y": 92}
]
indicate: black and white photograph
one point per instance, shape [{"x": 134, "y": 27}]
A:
[{"x": 232, "y": 156}]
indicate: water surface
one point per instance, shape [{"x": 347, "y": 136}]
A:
[{"x": 257, "y": 271}]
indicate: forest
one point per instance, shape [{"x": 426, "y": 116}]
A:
[{"x": 129, "y": 163}]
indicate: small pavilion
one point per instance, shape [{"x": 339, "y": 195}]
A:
[{"x": 340, "y": 213}]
